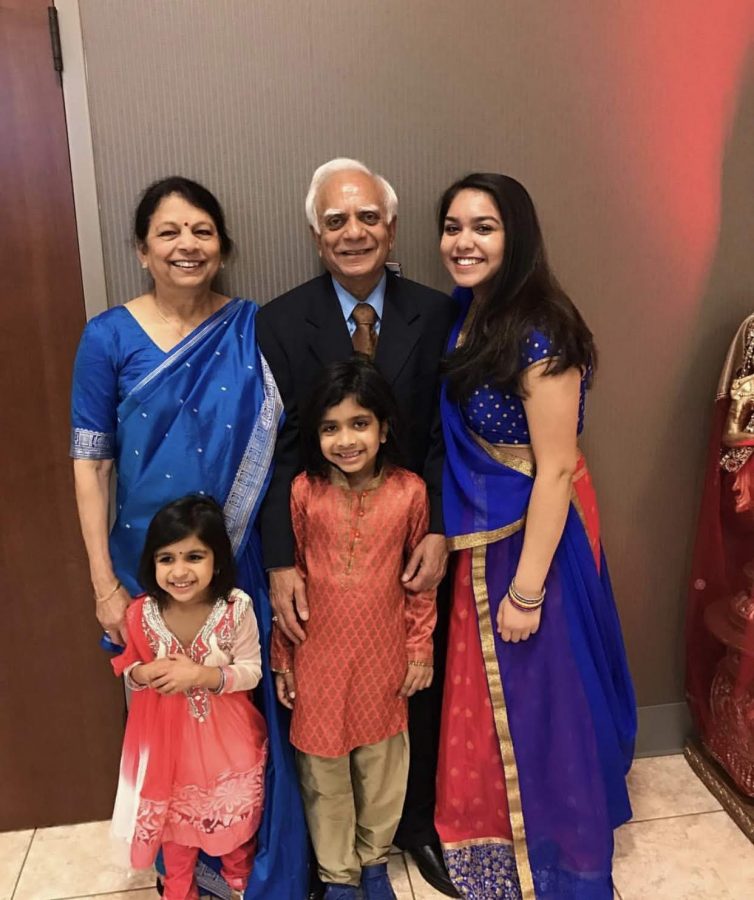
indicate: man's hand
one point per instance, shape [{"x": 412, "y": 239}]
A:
[
  {"x": 426, "y": 567},
  {"x": 288, "y": 599},
  {"x": 285, "y": 687},
  {"x": 417, "y": 679}
]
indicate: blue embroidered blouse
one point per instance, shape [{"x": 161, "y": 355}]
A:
[{"x": 499, "y": 416}]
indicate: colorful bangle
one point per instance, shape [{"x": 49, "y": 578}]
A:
[
  {"x": 525, "y": 604},
  {"x": 524, "y": 608},
  {"x": 530, "y": 601},
  {"x": 115, "y": 590}
]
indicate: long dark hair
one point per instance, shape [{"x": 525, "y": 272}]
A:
[
  {"x": 524, "y": 295},
  {"x": 194, "y": 514},
  {"x": 358, "y": 378},
  {"x": 192, "y": 192}
]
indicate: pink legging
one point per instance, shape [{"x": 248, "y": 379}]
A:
[{"x": 180, "y": 863}]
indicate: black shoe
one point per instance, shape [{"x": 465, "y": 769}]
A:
[
  {"x": 316, "y": 890},
  {"x": 431, "y": 866}
]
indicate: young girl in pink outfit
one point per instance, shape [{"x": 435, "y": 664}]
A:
[{"x": 192, "y": 769}]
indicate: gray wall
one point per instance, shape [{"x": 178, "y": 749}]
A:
[{"x": 631, "y": 122}]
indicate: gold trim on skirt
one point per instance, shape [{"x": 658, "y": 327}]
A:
[
  {"x": 497, "y": 696},
  {"x": 482, "y": 538},
  {"x": 476, "y": 842}
]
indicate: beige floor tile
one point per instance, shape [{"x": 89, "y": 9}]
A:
[
  {"x": 122, "y": 895},
  {"x": 13, "y": 847},
  {"x": 76, "y": 861},
  {"x": 422, "y": 890},
  {"x": 698, "y": 857},
  {"x": 399, "y": 877},
  {"x": 663, "y": 786}
]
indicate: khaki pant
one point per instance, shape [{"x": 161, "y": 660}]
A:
[{"x": 353, "y": 805}]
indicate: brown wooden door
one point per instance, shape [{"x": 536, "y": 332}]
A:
[{"x": 61, "y": 709}]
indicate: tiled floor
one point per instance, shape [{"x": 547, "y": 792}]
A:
[{"x": 679, "y": 846}]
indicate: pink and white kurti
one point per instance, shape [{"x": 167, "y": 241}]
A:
[{"x": 192, "y": 769}]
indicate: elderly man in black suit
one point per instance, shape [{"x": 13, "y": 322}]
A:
[{"x": 358, "y": 305}]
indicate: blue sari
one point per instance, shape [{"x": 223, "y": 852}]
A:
[
  {"x": 560, "y": 705},
  {"x": 201, "y": 418}
]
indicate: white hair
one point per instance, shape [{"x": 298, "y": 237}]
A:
[{"x": 342, "y": 164}]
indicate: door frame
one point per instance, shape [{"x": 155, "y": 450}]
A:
[{"x": 81, "y": 150}]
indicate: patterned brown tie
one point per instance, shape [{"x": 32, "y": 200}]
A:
[{"x": 365, "y": 337}]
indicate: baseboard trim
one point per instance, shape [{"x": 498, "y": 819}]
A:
[{"x": 663, "y": 729}]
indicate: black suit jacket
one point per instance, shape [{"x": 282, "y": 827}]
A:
[{"x": 304, "y": 330}]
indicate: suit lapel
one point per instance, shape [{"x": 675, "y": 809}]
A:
[
  {"x": 327, "y": 332},
  {"x": 399, "y": 330}
]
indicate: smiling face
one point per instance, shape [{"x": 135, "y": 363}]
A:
[
  {"x": 182, "y": 247},
  {"x": 473, "y": 240},
  {"x": 185, "y": 569},
  {"x": 354, "y": 236},
  {"x": 350, "y": 438}
]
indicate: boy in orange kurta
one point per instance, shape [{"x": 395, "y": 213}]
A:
[{"x": 368, "y": 643}]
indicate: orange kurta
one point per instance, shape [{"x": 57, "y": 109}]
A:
[{"x": 363, "y": 626}]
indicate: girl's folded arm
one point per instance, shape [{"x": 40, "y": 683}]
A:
[{"x": 245, "y": 672}]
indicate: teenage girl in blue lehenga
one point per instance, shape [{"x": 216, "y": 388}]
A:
[
  {"x": 538, "y": 709},
  {"x": 171, "y": 391}
]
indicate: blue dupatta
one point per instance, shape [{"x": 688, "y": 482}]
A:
[
  {"x": 563, "y": 701},
  {"x": 206, "y": 420}
]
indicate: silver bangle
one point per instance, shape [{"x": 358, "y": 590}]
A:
[{"x": 219, "y": 688}]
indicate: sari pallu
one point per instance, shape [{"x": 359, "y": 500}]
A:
[
  {"x": 547, "y": 725},
  {"x": 206, "y": 420}
]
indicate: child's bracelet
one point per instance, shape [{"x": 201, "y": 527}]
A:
[
  {"x": 219, "y": 688},
  {"x": 420, "y": 664},
  {"x": 115, "y": 590}
]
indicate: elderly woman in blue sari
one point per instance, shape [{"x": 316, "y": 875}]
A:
[
  {"x": 539, "y": 713},
  {"x": 171, "y": 392}
]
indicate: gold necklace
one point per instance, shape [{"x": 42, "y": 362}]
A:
[{"x": 167, "y": 321}]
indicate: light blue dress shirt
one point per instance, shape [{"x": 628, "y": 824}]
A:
[{"x": 348, "y": 303}]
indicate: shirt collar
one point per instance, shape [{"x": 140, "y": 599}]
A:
[{"x": 348, "y": 302}]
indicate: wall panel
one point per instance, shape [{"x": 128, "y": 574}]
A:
[{"x": 630, "y": 122}]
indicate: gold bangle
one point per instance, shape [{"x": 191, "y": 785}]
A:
[
  {"x": 420, "y": 664},
  {"x": 115, "y": 590},
  {"x": 524, "y": 607},
  {"x": 525, "y": 601}
]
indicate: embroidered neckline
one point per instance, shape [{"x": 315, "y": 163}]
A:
[
  {"x": 157, "y": 631},
  {"x": 201, "y": 638},
  {"x": 338, "y": 479}
]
